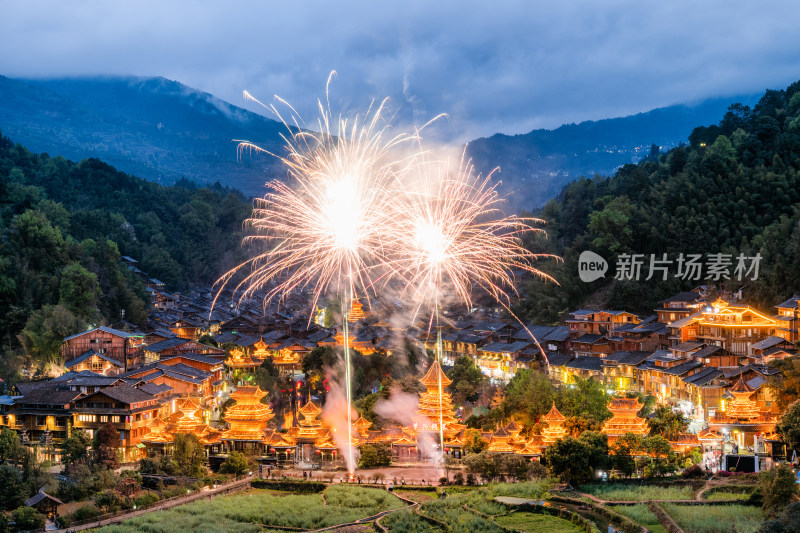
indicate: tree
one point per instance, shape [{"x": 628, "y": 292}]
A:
[
  {"x": 189, "y": 455},
  {"x": 474, "y": 441},
  {"x": 625, "y": 449},
  {"x": 375, "y": 454},
  {"x": 27, "y": 519},
  {"x": 79, "y": 291},
  {"x": 11, "y": 449},
  {"x": 236, "y": 464},
  {"x": 76, "y": 447},
  {"x": 528, "y": 396},
  {"x": 778, "y": 488},
  {"x": 667, "y": 423},
  {"x": 105, "y": 446},
  {"x": 468, "y": 380},
  {"x": 789, "y": 426},
  {"x": 662, "y": 459},
  {"x": 12, "y": 488},
  {"x": 584, "y": 398},
  {"x": 568, "y": 459}
]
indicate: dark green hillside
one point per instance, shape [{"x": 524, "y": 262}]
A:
[
  {"x": 733, "y": 189},
  {"x": 64, "y": 226}
]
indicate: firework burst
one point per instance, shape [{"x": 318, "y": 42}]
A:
[
  {"x": 455, "y": 237},
  {"x": 329, "y": 226}
]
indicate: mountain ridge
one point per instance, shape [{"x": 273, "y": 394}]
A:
[{"x": 163, "y": 130}]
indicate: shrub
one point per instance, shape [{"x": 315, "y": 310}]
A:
[
  {"x": 85, "y": 513},
  {"x": 145, "y": 500},
  {"x": 375, "y": 454},
  {"x": 288, "y": 485},
  {"x": 27, "y": 519},
  {"x": 236, "y": 464},
  {"x": 694, "y": 472},
  {"x": 470, "y": 479},
  {"x": 458, "y": 478}
]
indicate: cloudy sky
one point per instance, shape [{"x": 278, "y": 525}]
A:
[{"x": 492, "y": 66}]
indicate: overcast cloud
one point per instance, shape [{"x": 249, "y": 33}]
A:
[{"x": 507, "y": 66}]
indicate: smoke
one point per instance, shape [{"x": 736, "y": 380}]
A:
[
  {"x": 335, "y": 413},
  {"x": 402, "y": 408}
]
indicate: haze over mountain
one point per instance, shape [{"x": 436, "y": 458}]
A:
[{"x": 162, "y": 130}]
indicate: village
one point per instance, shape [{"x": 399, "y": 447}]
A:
[{"x": 708, "y": 359}]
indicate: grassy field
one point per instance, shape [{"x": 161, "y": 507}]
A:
[
  {"x": 716, "y": 518},
  {"x": 408, "y": 522},
  {"x": 537, "y": 523},
  {"x": 618, "y": 492},
  {"x": 728, "y": 492},
  {"x": 256, "y": 509},
  {"x": 642, "y": 515}
]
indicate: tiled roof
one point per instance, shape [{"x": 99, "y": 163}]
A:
[
  {"x": 125, "y": 394},
  {"x": 589, "y": 338},
  {"x": 83, "y": 357},
  {"x": 683, "y": 297},
  {"x": 558, "y": 359},
  {"x": 117, "y": 332},
  {"x": 166, "y": 344},
  {"x": 769, "y": 342},
  {"x": 586, "y": 363},
  {"x": 791, "y": 303}
]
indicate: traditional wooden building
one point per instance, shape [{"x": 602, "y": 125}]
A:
[
  {"x": 247, "y": 420},
  {"x": 128, "y": 410},
  {"x": 120, "y": 346},
  {"x": 624, "y": 419}
]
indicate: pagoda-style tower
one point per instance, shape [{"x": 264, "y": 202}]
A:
[
  {"x": 625, "y": 419},
  {"x": 361, "y": 427},
  {"x": 431, "y": 405},
  {"x": 188, "y": 421},
  {"x": 500, "y": 441},
  {"x": 260, "y": 350},
  {"x": 238, "y": 360},
  {"x": 513, "y": 429},
  {"x": 555, "y": 426},
  {"x": 356, "y": 312},
  {"x": 742, "y": 408},
  {"x": 248, "y": 417}
]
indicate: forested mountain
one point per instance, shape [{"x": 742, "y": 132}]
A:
[
  {"x": 734, "y": 189},
  {"x": 64, "y": 226},
  {"x": 162, "y": 130},
  {"x": 536, "y": 165},
  {"x": 153, "y": 128}
]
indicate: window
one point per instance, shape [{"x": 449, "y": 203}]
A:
[
  {"x": 115, "y": 419},
  {"x": 86, "y": 418},
  {"x": 104, "y": 418},
  {"x": 41, "y": 421}
]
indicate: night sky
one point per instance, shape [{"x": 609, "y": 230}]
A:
[{"x": 492, "y": 66}]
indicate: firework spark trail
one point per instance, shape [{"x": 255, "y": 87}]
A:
[
  {"x": 455, "y": 236},
  {"x": 327, "y": 228}
]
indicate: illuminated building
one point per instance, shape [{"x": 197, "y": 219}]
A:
[
  {"x": 554, "y": 429},
  {"x": 624, "y": 419},
  {"x": 735, "y": 328},
  {"x": 433, "y": 408},
  {"x": 247, "y": 418},
  {"x": 742, "y": 420}
]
